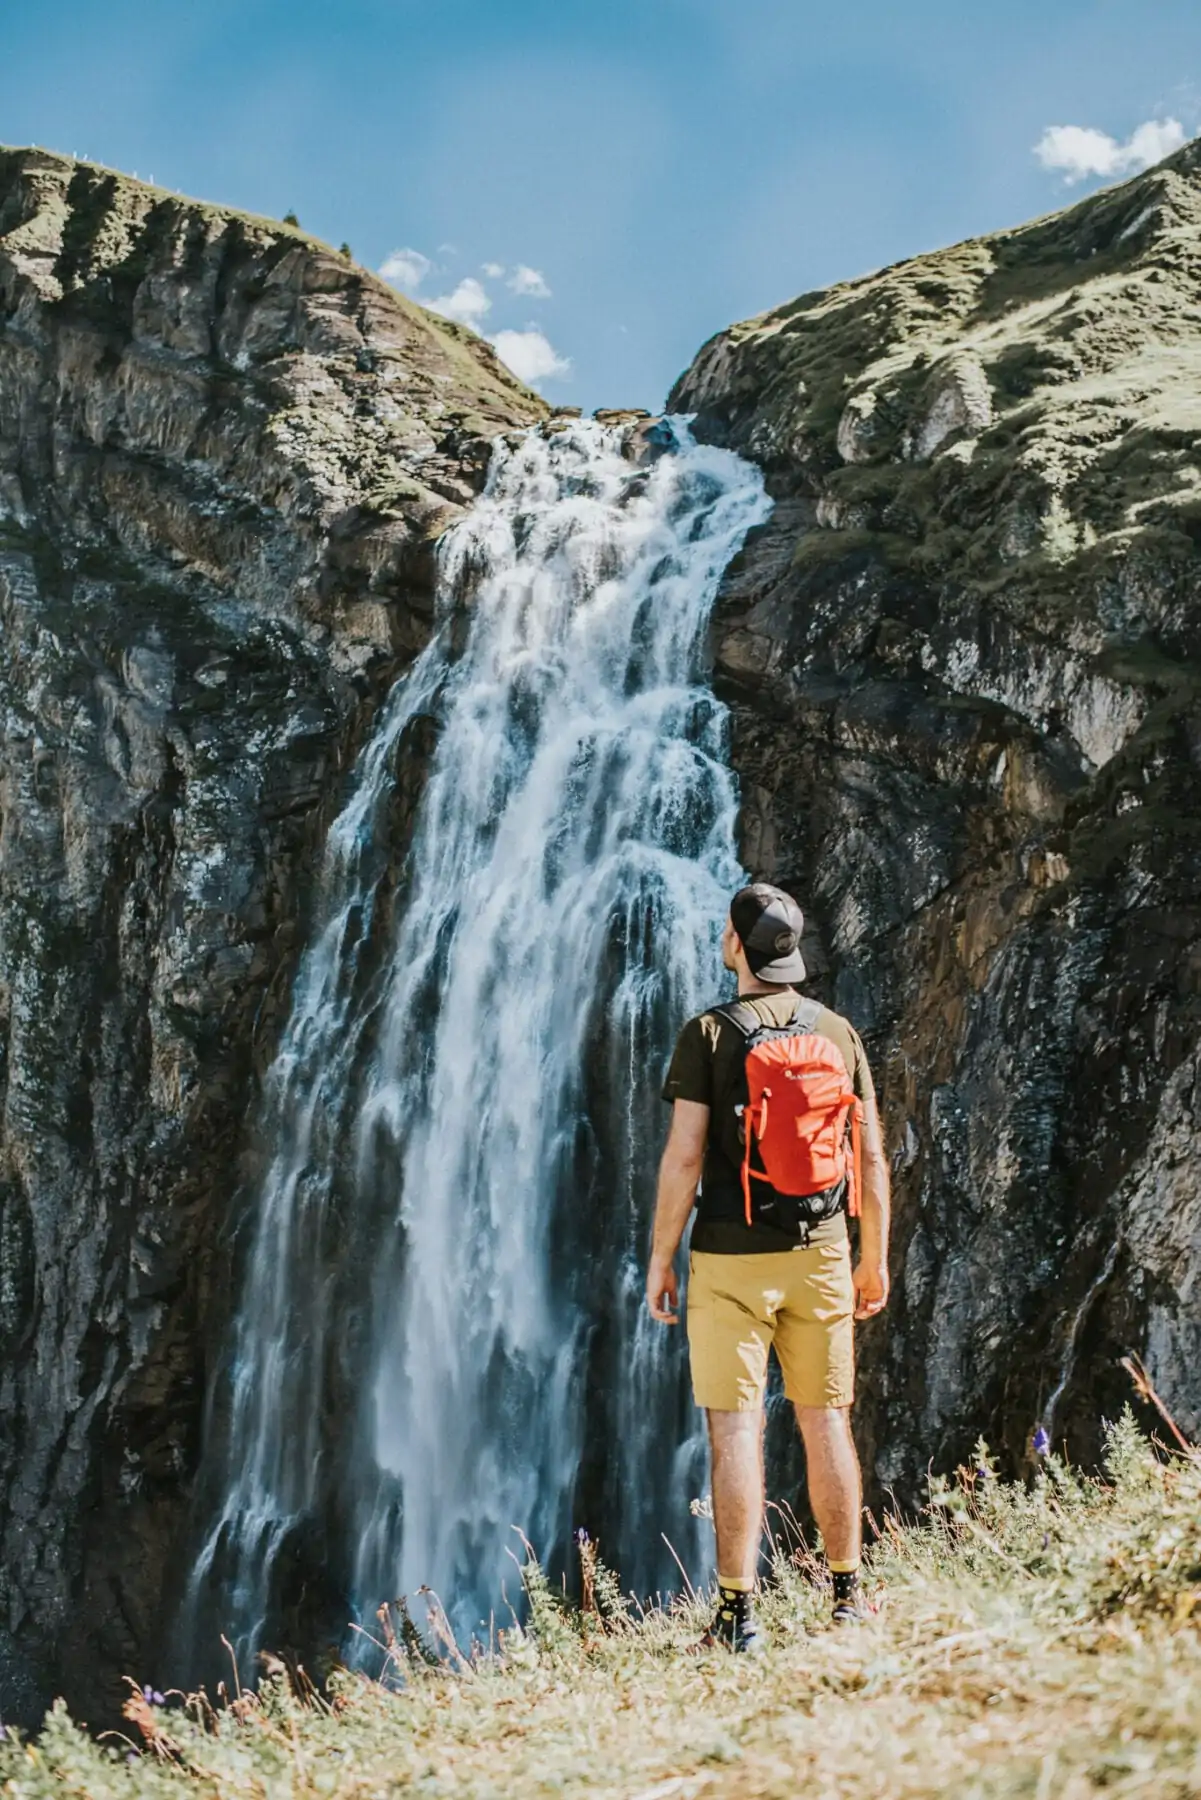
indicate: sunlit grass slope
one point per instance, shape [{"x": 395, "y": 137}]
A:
[{"x": 1036, "y": 1640}]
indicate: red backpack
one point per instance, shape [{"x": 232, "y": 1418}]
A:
[{"x": 801, "y": 1113}]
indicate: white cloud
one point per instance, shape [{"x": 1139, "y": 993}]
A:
[
  {"x": 1081, "y": 150},
  {"x": 467, "y": 304},
  {"x": 405, "y": 269},
  {"x": 531, "y": 356},
  {"x": 1154, "y": 140},
  {"x": 525, "y": 280}
]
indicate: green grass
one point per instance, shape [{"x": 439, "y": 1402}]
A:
[
  {"x": 1032, "y": 1640},
  {"x": 1081, "y": 483},
  {"x": 113, "y": 227}
]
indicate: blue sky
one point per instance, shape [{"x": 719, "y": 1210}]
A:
[{"x": 664, "y": 166}]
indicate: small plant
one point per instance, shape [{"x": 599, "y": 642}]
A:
[
  {"x": 291, "y": 219},
  {"x": 603, "y": 1602},
  {"x": 554, "y": 1625}
]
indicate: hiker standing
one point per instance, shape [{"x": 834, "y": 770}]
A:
[{"x": 774, "y": 1115}]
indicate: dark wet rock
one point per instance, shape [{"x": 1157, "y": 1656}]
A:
[
  {"x": 226, "y": 455},
  {"x": 964, "y": 660}
]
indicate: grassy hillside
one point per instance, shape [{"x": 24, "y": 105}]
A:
[
  {"x": 1026, "y": 1641},
  {"x": 1015, "y": 416}
]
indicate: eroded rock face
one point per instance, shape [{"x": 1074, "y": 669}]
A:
[
  {"x": 225, "y": 456},
  {"x": 963, "y": 659}
]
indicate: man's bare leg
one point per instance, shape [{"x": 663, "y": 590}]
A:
[
  {"x": 835, "y": 1486},
  {"x": 736, "y": 1445}
]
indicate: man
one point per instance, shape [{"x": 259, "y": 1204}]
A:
[{"x": 760, "y": 1275}]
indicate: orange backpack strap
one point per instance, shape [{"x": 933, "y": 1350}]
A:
[
  {"x": 746, "y": 1166},
  {"x": 855, "y": 1184}
]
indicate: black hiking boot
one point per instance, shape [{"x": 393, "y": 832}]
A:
[
  {"x": 733, "y": 1626},
  {"x": 849, "y": 1608}
]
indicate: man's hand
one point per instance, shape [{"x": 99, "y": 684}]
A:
[
  {"x": 663, "y": 1291},
  {"x": 871, "y": 1288}
]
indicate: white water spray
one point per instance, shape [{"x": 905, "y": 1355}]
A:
[{"x": 441, "y": 1334}]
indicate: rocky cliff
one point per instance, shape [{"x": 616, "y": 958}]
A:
[
  {"x": 963, "y": 663},
  {"x": 225, "y": 456},
  {"x": 964, "y": 659}
]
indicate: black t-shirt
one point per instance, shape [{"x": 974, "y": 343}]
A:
[{"x": 709, "y": 1066}]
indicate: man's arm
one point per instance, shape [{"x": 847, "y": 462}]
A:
[
  {"x": 871, "y": 1271},
  {"x": 679, "y": 1176}
]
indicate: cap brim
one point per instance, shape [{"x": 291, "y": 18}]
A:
[{"x": 784, "y": 970}]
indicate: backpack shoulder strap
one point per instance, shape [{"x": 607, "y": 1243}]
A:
[
  {"x": 746, "y": 1020},
  {"x": 807, "y": 1013},
  {"x": 743, "y": 1018}
]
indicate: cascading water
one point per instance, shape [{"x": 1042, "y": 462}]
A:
[{"x": 441, "y": 1334}]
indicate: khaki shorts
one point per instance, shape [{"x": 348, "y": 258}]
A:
[{"x": 801, "y": 1301}]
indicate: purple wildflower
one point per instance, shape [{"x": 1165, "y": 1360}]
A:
[
  {"x": 153, "y": 1696},
  {"x": 582, "y": 1538},
  {"x": 1041, "y": 1441}
]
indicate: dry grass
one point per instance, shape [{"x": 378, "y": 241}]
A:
[{"x": 1028, "y": 1641}]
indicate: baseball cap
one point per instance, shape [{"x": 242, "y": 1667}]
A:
[{"x": 769, "y": 924}]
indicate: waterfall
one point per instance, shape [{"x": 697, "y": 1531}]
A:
[{"x": 440, "y": 1333}]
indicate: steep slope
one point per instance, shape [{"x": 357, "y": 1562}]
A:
[
  {"x": 225, "y": 455},
  {"x": 963, "y": 658},
  {"x": 1031, "y": 1639}
]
